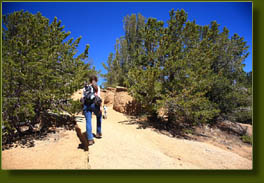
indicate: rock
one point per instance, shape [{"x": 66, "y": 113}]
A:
[
  {"x": 109, "y": 98},
  {"x": 111, "y": 89},
  {"x": 121, "y": 100},
  {"x": 23, "y": 128},
  {"x": 37, "y": 127},
  {"x": 120, "y": 89},
  {"x": 232, "y": 127},
  {"x": 248, "y": 128},
  {"x": 125, "y": 103},
  {"x": 23, "y": 141}
]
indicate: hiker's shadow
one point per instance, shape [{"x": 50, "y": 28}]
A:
[
  {"x": 82, "y": 138},
  {"x": 81, "y": 145}
]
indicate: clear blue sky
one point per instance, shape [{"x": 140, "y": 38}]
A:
[{"x": 101, "y": 23}]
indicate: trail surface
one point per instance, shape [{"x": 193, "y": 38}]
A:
[{"x": 123, "y": 146}]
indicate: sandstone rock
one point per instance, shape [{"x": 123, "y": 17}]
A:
[
  {"x": 248, "y": 127},
  {"x": 121, "y": 100},
  {"x": 125, "y": 103},
  {"x": 109, "y": 98},
  {"x": 111, "y": 89},
  {"x": 232, "y": 127},
  {"x": 120, "y": 89}
]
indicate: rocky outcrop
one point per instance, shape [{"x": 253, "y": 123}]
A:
[
  {"x": 111, "y": 89},
  {"x": 121, "y": 100},
  {"x": 125, "y": 103},
  {"x": 232, "y": 127},
  {"x": 248, "y": 127},
  {"x": 121, "y": 89},
  {"x": 109, "y": 98}
]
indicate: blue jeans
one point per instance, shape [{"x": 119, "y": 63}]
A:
[{"x": 87, "y": 110}]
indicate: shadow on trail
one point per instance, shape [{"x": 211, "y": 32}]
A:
[
  {"x": 50, "y": 123},
  {"x": 159, "y": 126},
  {"x": 82, "y": 136}
]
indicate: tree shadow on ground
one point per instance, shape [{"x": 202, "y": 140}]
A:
[
  {"x": 160, "y": 125},
  {"x": 51, "y": 122}
]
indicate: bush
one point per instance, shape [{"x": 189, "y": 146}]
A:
[
  {"x": 242, "y": 115},
  {"x": 192, "y": 110},
  {"x": 247, "y": 139}
]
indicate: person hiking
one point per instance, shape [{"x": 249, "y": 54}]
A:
[{"x": 91, "y": 104}]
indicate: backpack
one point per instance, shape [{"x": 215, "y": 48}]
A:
[
  {"x": 97, "y": 101},
  {"x": 90, "y": 97}
]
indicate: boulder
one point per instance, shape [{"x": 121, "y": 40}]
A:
[
  {"x": 248, "y": 127},
  {"x": 121, "y": 100},
  {"x": 109, "y": 98},
  {"x": 111, "y": 89},
  {"x": 125, "y": 103},
  {"x": 232, "y": 127}
]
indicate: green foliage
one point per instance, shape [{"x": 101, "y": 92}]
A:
[
  {"x": 187, "y": 131},
  {"x": 73, "y": 107},
  {"x": 190, "y": 109},
  {"x": 145, "y": 87},
  {"x": 193, "y": 72},
  {"x": 40, "y": 68},
  {"x": 247, "y": 139},
  {"x": 126, "y": 49}
]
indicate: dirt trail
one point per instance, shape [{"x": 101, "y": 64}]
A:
[{"x": 123, "y": 146}]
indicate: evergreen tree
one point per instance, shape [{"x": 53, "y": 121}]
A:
[
  {"x": 194, "y": 72},
  {"x": 144, "y": 78},
  {"x": 125, "y": 51},
  {"x": 40, "y": 68}
]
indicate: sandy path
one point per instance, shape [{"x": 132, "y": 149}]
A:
[
  {"x": 123, "y": 146},
  {"x": 59, "y": 152}
]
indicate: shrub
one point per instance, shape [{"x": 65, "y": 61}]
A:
[{"x": 247, "y": 139}]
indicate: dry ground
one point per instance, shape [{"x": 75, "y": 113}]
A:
[{"x": 123, "y": 146}]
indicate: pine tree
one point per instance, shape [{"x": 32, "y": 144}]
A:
[
  {"x": 126, "y": 50},
  {"x": 194, "y": 72},
  {"x": 40, "y": 68}
]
